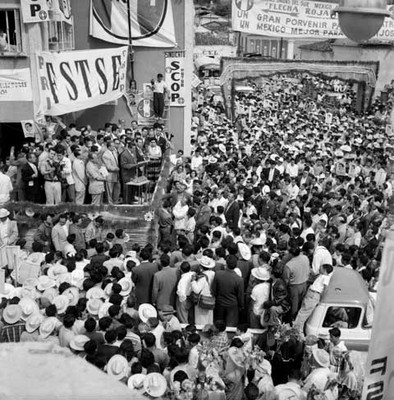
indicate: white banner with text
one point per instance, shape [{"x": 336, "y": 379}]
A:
[
  {"x": 175, "y": 77},
  {"x": 294, "y": 19},
  {"x": 15, "y": 85},
  {"x": 73, "y": 81}
]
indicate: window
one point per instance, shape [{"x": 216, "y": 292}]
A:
[
  {"x": 61, "y": 36},
  {"x": 342, "y": 317},
  {"x": 10, "y": 31}
]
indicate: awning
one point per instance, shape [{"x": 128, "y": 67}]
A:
[{"x": 206, "y": 62}]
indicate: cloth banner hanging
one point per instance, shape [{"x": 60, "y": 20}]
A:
[
  {"x": 15, "y": 85},
  {"x": 152, "y": 22},
  {"x": 378, "y": 383},
  {"x": 294, "y": 19},
  {"x": 73, "y": 81}
]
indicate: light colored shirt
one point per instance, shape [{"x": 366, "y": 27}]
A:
[
  {"x": 320, "y": 283},
  {"x": 5, "y": 188},
  {"x": 320, "y": 256},
  {"x": 260, "y": 294},
  {"x": 185, "y": 286}
]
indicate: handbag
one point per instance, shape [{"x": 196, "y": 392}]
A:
[{"x": 206, "y": 302}]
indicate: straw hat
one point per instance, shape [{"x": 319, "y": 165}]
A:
[
  {"x": 207, "y": 262},
  {"x": 244, "y": 251},
  {"x": 261, "y": 273},
  {"x": 4, "y": 213},
  {"x": 136, "y": 382},
  {"x": 55, "y": 271},
  {"x": 103, "y": 311},
  {"x": 28, "y": 307},
  {"x": 95, "y": 293},
  {"x": 77, "y": 278},
  {"x": 146, "y": 311},
  {"x": 132, "y": 255},
  {"x": 93, "y": 306},
  {"x": 73, "y": 295},
  {"x": 127, "y": 285},
  {"x": 48, "y": 326},
  {"x": 50, "y": 294},
  {"x": 9, "y": 291},
  {"x": 34, "y": 322},
  {"x": 12, "y": 313},
  {"x": 61, "y": 302},
  {"x": 155, "y": 384},
  {"x": 321, "y": 357},
  {"x": 167, "y": 310},
  {"x": 108, "y": 289},
  {"x": 118, "y": 367},
  {"x": 45, "y": 282},
  {"x": 78, "y": 342}
]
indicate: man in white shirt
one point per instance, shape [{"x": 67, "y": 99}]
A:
[
  {"x": 184, "y": 290},
  {"x": 79, "y": 176},
  {"x": 321, "y": 256},
  {"x": 292, "y": 169},
  {"x": 5, "y": 188},
  {"x": 68, "y": 192},
  {"x": 196, "y": 161},
  {"x": 159, "y": 88},
  {"x": 8, "y": 229},
  {"x": 313, "y": 296}
]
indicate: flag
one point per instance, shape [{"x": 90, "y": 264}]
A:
[{"x": 152, "y": 22}]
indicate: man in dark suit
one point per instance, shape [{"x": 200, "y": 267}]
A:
[
  {"x": 30, "y": 178},
  {"x": 143, "y": 278},
  {"x": 271, "y": 174},
  {"x": 232, "y": 211},
  {"x": 228, "y": 289},
  {"x": 164, "y": 284},
  {"x": 128, "y": 168},
  {"x": 279, "y": 303}
]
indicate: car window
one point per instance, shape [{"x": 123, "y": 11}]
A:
[{"x": 342, "y": 317}]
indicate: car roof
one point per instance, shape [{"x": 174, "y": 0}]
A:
[{"x": 346, "y": 287}]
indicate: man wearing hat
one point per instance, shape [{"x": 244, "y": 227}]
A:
[
  {"x": 14, "y": 326},
  {"x": 320, "y": 372},
  {"x": 8, "y": 229},
  {"x": 260, "y": 294},
  {"x": 170, "y": 321}
]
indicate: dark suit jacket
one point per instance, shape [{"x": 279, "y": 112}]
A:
[
  {"x": 128, "y": 164},
  {"x": 164, "y": 287},
  {"x": 258, "y": 202},
  {"x": 266, "y": 174},
  {"x": 279, "y": 295},
  {"x": 107, "y": 351},
  {"x": 27, "y": 173},
  {"x": 142, "y": 277},
  {"x": 232, "y": 215},
  {"x": 228, "y": 288}
]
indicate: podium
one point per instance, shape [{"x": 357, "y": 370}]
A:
[{"x": 140, "y": 184}]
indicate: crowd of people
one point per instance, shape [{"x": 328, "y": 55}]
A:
[
  {"x": 250, "y": 229},
  {"x": 84, "y": 166}
]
